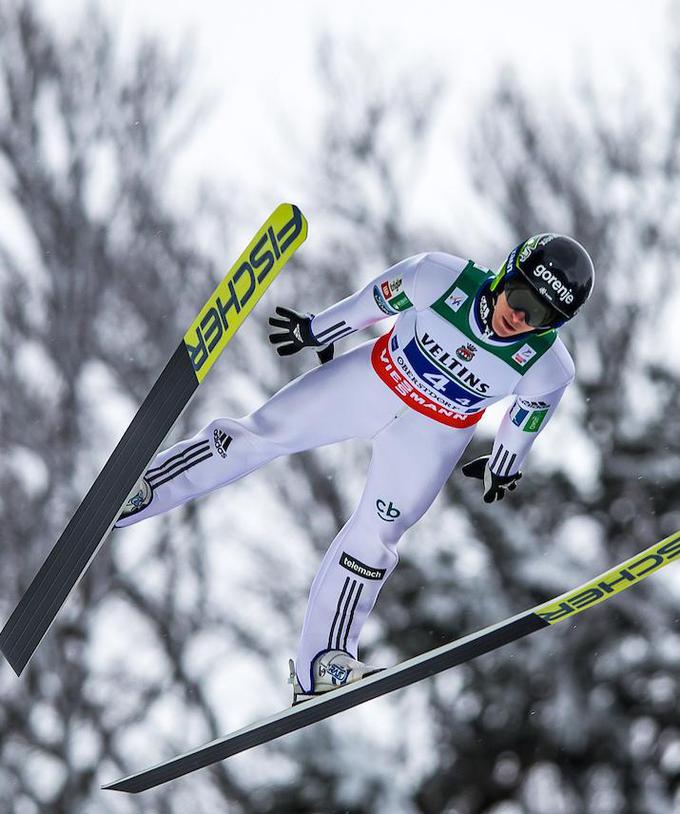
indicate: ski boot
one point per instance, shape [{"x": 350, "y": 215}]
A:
[
  {"x": 138, "y": 500},
  {"x": 331, "y": 670}
]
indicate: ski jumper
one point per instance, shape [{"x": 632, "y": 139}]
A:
[{"x": 416, "y": 393}]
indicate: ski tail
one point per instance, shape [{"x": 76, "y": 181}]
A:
[
  {"x": 71, "y": 555},
  {"x": 219, "y": 319},
  {"x": 566, "y": 605}
]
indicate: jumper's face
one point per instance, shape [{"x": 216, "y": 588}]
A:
[{"x": 506, "y": 321}]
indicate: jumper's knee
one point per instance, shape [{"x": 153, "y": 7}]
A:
[{"x": 391, "y": 522}]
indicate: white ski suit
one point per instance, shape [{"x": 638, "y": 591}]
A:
[{"x": 416, "y": 393}]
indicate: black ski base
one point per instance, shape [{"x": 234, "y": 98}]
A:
[
  {"x": 89, "y": 526},
  {"x": 394, "y": 678}
]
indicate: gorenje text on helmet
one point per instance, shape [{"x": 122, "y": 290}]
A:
[{"x": 564, "y": 294}]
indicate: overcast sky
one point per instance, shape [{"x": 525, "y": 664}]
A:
[
  {"x": 255, "y": 65},
  {"x": 255, "y": 62}
]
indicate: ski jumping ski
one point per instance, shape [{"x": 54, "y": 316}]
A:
[
  {"x": 219, "y": 319},
  {"x": 565, "y": 606}
]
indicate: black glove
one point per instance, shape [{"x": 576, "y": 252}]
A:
[
  {"x": 295, "y": 334},
  {"x": 495, "y": 486}
]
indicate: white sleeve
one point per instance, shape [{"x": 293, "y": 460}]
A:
[
  {"x": 414, "y": 282},
  {"x": 437, "y": 272},
  {"x": 538, "y": 394}
]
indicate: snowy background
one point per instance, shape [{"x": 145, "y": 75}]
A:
[{"x": 140, "y": 146}]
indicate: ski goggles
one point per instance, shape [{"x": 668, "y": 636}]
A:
[{"x": 522, "y": 297}]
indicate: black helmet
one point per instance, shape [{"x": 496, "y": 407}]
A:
[{"x": 557, "y": 268}]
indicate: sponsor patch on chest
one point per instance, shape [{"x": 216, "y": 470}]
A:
[
  {"x": 456, "y": 298},
  {"x": 416, "y": 398},
  {"x": 525, "y": 354},
  {"x": 466, "y": 352},
  {"x": 425, "y": 350}
]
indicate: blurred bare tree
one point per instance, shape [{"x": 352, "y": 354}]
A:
[
  {"x": 182, "y": 627},
  {"x": 99, "y": 277},
  {"x": 576, "y": 720},
  {"x": 589, "y": 707}
]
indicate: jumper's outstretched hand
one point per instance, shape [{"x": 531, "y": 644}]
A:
[
  {"x": 495, "y": 486},
  {"x": 295, "y": 333}
]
